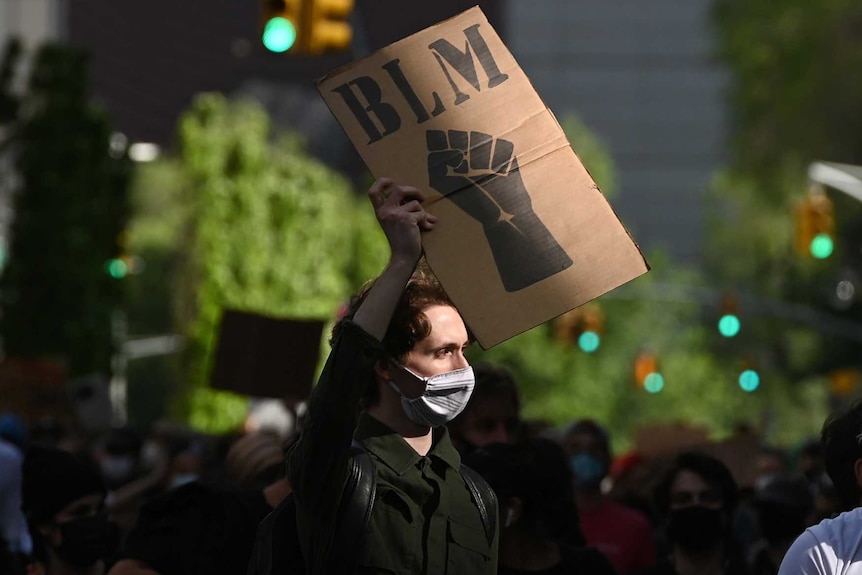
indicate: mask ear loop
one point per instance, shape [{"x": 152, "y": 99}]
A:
[{"x": 510, "y": 514}]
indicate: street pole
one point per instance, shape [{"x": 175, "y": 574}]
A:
[
  {"x": 127, "y": 349},
  {"x": 846, "y": 178},
  {"x": 118, "y": 387}
]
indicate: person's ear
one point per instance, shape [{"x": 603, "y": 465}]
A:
[{"x": 382, "y": 368}]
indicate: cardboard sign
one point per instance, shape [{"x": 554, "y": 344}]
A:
[
  {"x": 266, "y": 357},
  {"x": 524, "y": 234}
]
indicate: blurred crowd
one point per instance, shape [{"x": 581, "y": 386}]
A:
[{"x": 169, "y": 500}]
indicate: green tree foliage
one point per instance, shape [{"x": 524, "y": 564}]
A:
[
  {"x": 559, "y": 382},
  {"x": 269, "y": 229},
  {"x": 70, "y": 209},
  {"x": 794, "y": 100},
  {"x": 795, "y": 90}
]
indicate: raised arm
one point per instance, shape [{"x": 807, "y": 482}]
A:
[{"x": 402, "y": 217}]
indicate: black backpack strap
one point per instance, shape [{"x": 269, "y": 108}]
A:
[
  {"x": 484, "y": 498},
  {"x": 357, "y": 502}
]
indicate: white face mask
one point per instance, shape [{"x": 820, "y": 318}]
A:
[
  {"x": 445, "y": 396},
  {"x": 181, "y": 479},
  {"x": 117, "y": 468}
]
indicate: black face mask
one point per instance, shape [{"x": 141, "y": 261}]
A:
[
  {"x": 696, "y": 528},
  {"x": 87, "y": 540}
]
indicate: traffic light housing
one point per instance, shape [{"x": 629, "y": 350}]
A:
[
  {"x": 815, "y": 225},
  {"x": 728, "y": 323},
  {"x": 844, "y": 382},
  {"x": 281, "y": 24},
  {"x": 646, "y": 373},
  {"x": 328, "y": 27},
  {"x": 306, "y": 26},
  {"x": 584, "y": 325}
]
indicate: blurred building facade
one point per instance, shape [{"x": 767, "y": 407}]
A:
[
  {"x": 33, "y": 22},
  {"x": 642, "y": 76}
]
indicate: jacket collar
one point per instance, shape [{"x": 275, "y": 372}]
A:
[{"x": 396, "y": 453}]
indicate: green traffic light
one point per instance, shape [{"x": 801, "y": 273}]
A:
[
  {"x": 729, "y": 325},
  {"x": 654, "y": 383},
  {"x": 822, "y": 246},
  {"x": 589, "y": 341},
  {"x": 279, "y": 34},
  {"x": 749, "y": 380},
  {"x": 117, "y": 268}
]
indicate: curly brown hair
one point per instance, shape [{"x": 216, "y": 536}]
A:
[{"x": 408, "y": 325}]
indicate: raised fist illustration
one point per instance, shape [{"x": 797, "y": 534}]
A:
[{"x": 480, "y": 175}]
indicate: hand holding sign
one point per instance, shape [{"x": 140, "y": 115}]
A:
[
  {"x": 401, "y": 216},
  {"x": 480, "y": 175}
]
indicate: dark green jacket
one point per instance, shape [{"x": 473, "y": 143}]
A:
[{"x": 423, "y": 521}]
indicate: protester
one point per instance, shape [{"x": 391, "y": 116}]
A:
[
  {"x": 13, "y": 430},
  {"x": 533, "y": 483},
  {"x": 631, "y": 479},
  {"x": 810, "y": 464},
  {"x": 205, "y": 528},
  {"x": 15, "y": 541},
  {"x": 784, "y": 507},
  {"x": 834, "y": 546},
  {"x": 623, "y": 534},
  {"x": 118, "y": 457},
  {"x": 493, "y": 413},
  {"x": 63, "y": 498},
  {"x": 696, "y": 500},
  {"x": 770, "y": 461},
  {"x": 255, "y": 460},
  {"x": 809, "y": 461},
  {"x": 399, "y": 353}
]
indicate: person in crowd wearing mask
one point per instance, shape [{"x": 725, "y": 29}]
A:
[
  {"x": 784, "y": 507},
  {"x": 533, "y": 483},
  {"x": 623, "y": 534},
  {"x": 63, "y": 498},
  {"x": 493, "y": 413},
  {"x": 399, "y": 354},
  {"x": 118, "y": 457},
  {"x": 204, "y": 528},
  {"x": 696, "y": 498},
  {"x": 834, "y": 546}
]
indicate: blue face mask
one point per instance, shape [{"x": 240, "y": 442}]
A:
[{"x": 588, "y": 469}]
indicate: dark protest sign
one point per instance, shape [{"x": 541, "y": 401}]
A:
[
  {"x": 34, "y": 388},
  {"x": 266, "y": 357},
  {"x": 524, "y": 234}
]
